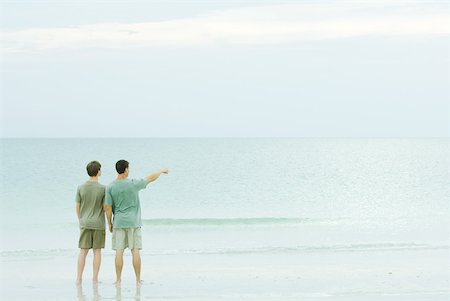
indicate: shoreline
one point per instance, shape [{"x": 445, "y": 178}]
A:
[{"x": 387, "y": 275}]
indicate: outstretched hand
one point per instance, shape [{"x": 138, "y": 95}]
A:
[{"x": 156, "y": 175}]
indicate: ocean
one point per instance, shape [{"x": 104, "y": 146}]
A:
[{"x": 285, "y": 197}]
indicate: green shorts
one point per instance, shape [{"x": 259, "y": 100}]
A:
[
  {"x": 91, "y": 239},
  {"x": 123, "y": 238}
]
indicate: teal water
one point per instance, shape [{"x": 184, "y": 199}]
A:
[{"x": 237, "y": 195}]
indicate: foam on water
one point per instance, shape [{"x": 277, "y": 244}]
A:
[{"x": 362, "y": 247}]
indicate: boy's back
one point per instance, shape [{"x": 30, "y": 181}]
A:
[
  {"x": 91, "y": 196},
  {"x": 91, "y": 215}
]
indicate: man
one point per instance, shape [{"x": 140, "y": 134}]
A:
[
  {"x": 91, "y": 216},
  {"x": 122, "y": 199}
]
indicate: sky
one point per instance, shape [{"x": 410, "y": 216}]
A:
[{"x": 203, "y": 68}]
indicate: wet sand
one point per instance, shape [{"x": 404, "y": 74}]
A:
[{"x": 376, "y": 275}]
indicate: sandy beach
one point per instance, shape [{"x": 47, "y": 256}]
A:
[{"x": 377, "y": 275}]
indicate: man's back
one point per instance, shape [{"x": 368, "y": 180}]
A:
[
  {"x": 91, "y": 196},
  {"x": 122, "y": 199},
  {"x": 123, "y": 196}
]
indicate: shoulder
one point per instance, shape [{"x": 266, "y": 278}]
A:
[
  {"x": 111, "y": 184},
  {"x": 101, "y": 187},
  {"x": 138, "y": 181}
]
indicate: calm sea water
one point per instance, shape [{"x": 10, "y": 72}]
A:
[{"x": 237, "y": 195}]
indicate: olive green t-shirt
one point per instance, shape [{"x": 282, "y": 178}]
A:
[
  {"x": 123, "y": 196},
  {"x": 91, "y": 196}
]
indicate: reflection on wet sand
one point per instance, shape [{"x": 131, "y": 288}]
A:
[
  {"x": 137, "y": 295},
  {"x": 81, "y": 296}
]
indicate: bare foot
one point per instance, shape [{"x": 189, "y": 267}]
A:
[
  {"x": 117, "y": 283},
  {"x": 139, "y": 283},
  {"x": 78, "y": 282}
]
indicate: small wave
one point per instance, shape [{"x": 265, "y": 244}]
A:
[
  {"x": 360, "y": 247},
  {"x": 231, "y": 221},
  {"x": 363, "y": 247},
  {"x": 37, "y": 254}
]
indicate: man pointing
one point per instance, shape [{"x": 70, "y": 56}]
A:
[{"x": 122, "y": 200}]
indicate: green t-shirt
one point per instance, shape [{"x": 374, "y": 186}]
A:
[
  {"x": 91, "y": 196},
  {"x": 123, "y": 196}
]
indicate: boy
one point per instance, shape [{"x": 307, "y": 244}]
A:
[{"x": 91, "y": 216}]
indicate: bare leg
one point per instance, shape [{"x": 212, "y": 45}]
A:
[
  {"x": 119, "y": 266},
  {"x": 81, "y": 263},
  {"x": 137, "y": 265},
  {"x": 97, "y": 262}
]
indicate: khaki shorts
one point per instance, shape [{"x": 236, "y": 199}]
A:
[
  {"x": 123, "y": 238},
  {"x": 91, "y": 239}
]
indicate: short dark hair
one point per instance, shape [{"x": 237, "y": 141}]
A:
[
  {"x": 93, "y": 168},
  {"x": 121, "y": 165}
]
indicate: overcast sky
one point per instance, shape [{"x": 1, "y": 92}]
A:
[{"x": 225, "y": 68}]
